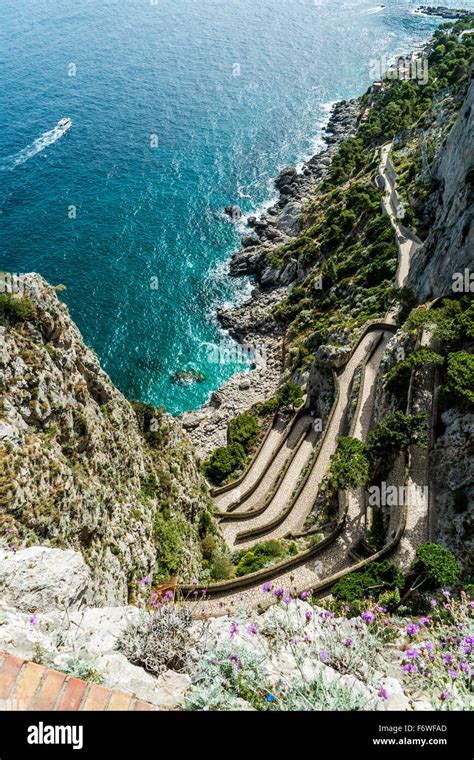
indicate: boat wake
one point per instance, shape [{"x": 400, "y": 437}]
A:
[
  {"x": 371, "y": 11},
  {"x": 38, "y": 145}
]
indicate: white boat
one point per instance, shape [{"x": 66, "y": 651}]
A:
[{"x": 65, "y": 123}]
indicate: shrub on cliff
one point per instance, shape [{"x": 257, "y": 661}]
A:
[
  {"x": 396, "y": 433},
  {"x": 460, "y": 377},
  {"x": 290, "y": 396},
  {"x": 172, "y": 535},
  {"x": 397, "y": 378},
  {"x": 376, "y": 579},
  {"x": 244, "y": 430},
  {"x": 259, "y": 556},
  {"x": 224, "y": 462},
  {"x": 13, "y": 310},
  {"x": 350, "y": 465},
  {"x": 435, "y": 567}
]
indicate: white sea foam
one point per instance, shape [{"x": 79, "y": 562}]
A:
[{"x": 37, "y": 146}]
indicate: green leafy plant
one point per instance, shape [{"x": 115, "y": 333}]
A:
[
  {"x": 15, "y": 309},
  {"x": 224, "y": 462},
  {"x": 244, "y": 430},
  {"x": 350, "y": 464}
]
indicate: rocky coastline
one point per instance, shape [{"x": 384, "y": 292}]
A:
[
  {"x": 250, "y": 323},
  {"x": 447, "y": 13}
]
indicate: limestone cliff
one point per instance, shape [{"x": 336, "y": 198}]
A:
[
  {"x": 449, "y": 247},
  {"x": 81, "y": 466}
]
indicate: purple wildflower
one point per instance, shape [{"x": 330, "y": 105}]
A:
[
  {"x": 412, "y": 629},
  {"x": 233, "y": 658},
  {"x": 414, "y": 653},
  {"x": 348, "y": 642},
  {"x": 325, "y": 614},
  {"x": 323, "y": 656},
  {"x": 452, "y": 673},
  {"x": 383, "y": 693},
  {"x": 425, "y": 620},
  {"x": 144, "y": 581},
  {"x": 33, "y": 619},
  {"x": 194, "y": 582},
  {"x": 304, "y": 595},
  {"x": 434, "y": 603},
  {"x": 447, "y": 658},
  {"x": 287, "y": 599},
  {"x": 409, "y": 668},
  {"x": 278, "y": 593},
  {"x": 445, "y": 695},
  {"x": 233, "y": 629},
  {"x": 308, "y": 615},
  {"x": 368, "y": 616},
  {"x": 267, "y": 587},
  {"x": 252, "y": 629}
]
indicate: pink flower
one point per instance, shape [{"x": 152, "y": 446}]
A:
[
  {"x": 252, "y": 629},
  {"x": 383, "y": 693},
  {"x": 233, "y": 630},
  {"x": 434, "y": 603}
]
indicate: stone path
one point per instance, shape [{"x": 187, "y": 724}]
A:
[
  {"x": 275, "y": 439},
  {"x": 287, "y": 449},
  {"x": 336, "y": 556},
  {"x": 407, "y": 242},
  {"x": 27, "y": 686}
]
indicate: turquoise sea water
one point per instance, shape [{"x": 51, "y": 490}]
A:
[{"x": 230, "y": 90}]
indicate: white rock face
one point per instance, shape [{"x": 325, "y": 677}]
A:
[
  {"x": 449, "y": 245},
  {"x": 89, "y": 636},
  {"x": 40, "y": 579},
  {"x": 166, "y": 692}
]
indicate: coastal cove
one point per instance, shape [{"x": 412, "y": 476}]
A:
[
  {"x": 303, "y": 541},
  {"x": 164, "y": 217}
]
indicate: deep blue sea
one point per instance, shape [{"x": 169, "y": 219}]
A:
[{"x": 178, "y": 108}]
